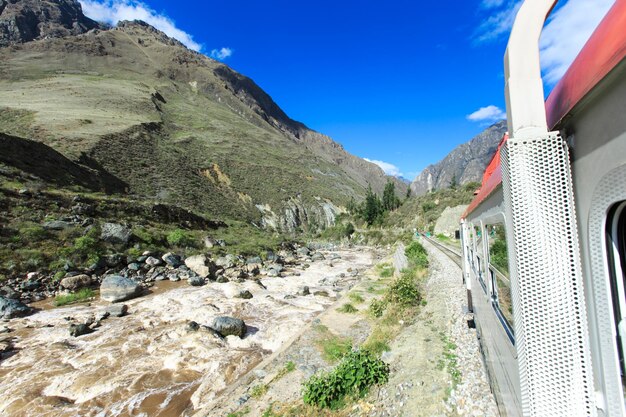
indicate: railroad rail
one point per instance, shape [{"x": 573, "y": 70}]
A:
[{"x": 450, "y": 253}]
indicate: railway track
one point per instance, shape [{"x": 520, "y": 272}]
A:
[{"x": 450, "y": 253}]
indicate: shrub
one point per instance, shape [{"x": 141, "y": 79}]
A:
[
  {"x": 258, "y": 390},
  {"x": 353, "y": 377},
  {"x": 417, "y": 255},
  {"x": 404, "y": 290},
  {"x": 347, "y": 308},
  {"x": 356, "y": 297},
  {"x": 33, "y": 233},
  {"x": 386, "y": 272},
  {"x": 378, "y": 307},
  {"x": 179, "y": 237}
]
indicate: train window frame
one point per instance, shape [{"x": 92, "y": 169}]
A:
[
  {"x": 478, "y": 257},
  {"x": 506, "y": 320},
  {"x": 615, "y": 241}
]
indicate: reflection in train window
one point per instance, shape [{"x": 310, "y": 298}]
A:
[
  {"x": 616, "y": 253},
  {"x": 478, "y": 257},
  {"x": 499, "y": 273}
]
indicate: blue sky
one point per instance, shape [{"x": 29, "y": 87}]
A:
[{"x": 398, "y": 82}]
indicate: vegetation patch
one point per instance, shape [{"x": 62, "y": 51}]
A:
[
  {"x": 258, "y": 391},
  {"x": 347, "y": 308},
  {"x": 333, "y": 347},
  {"x": 356, "y": 297},
  {"x": 352, "y": 378},
  {"x": 77, "y": 297}
]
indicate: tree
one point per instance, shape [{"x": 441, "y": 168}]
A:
[
  {"x": 373, "y": 208},
  {"x": 453, "y": 182},
  {"x": 390, "y": 201},
  {"x": 408, "y": 193}
]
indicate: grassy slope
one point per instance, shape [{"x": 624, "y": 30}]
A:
[{"x": 94, "y": 94}]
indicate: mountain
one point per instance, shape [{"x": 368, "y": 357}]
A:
[
  {"x": 466, "y": 163},
  {"x": 153, "y": 120},
  {"x": 26, "y": 20}
]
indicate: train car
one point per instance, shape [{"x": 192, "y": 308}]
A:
[{"x": 544, "y": 241}]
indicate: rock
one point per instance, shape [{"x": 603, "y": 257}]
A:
[
  {"x": 222, "y": 279},
  {"x": 30, "y": 285},
  {"x": 209, "y": 242},
  {"x": 9, "y": 292},
  {"x": 160, "y": 278},
  {"x": 303, "y": 251},
  {"x": 57, "y": 225},
  {"x": 115, "y": 233},
  {"x": 173, "y": 277},
  {"x": 227, "y": 261},
  {"x": 289, "y": 297},
  {"x": 254, "y": 260},
  {"x": 142, "y": 259},
  {"x": 272, "y": 273},
  {"x": 227, "y": 326},
  {"x": 152, "y": 261},
  {"x": 117, "y": 310},
  {"x": 172, "y": 260},
  {"x": 79, "y": 329},
  {"x": 277, "y": 267},
  {"x": 317, "y": 257},
  {"x": 334, "y": 256},
  {"x": 116, "y": 288},
  {"x": 304, "y": 291},
  {"x": 113, "y": 260},
  {"x": 245, "y": 294},
  {"x": 321, "y": 293},
  {"x": 196, "y": 281},
  {"x": 201, "y": 265},
  {"x": 10, "y": 308},
  {"x": 4, "y": 329},
  {"x": 192, "y": 326},
  {"x": 76, "y": 282},
  {"x": 134, "y": 266},
  {"x": 253, "y": 269}
]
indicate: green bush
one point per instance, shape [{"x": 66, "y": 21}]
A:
[
  {"x": 378, "y": 307},
  {"x": 33, "y": 233},
  {"x": 404, "y": 290},
  {"x": 417, "y": 255},
  {"x": 180, "y": 238},
  {"x": 76, "y": 297},
  {"x": 353, "y": 377},
  {"x": 498, "y": 255},
  {"x": 347, "y": 308}
]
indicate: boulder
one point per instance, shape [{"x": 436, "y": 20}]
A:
[
  {"x": 227, "y": 261},
  {"x": 254, "y": 260},
  {"x": 9, "y": 292},
  {"x": 10, "y": 308},
  {"x": 192, "y": 326},
  {"x": 115, "y": 233},
  {"x": 134, "y": 266},
  {"x": 57, "y": 225},
  {"x": 245, "y": 294},
  {"x": 117, "y": 310},
  {"x": 304, "y": 291},
  {"x": 196, "y": 281},
  {"x": 30, "y": 285},
  {"x": 172, "y": 260},
  {"x": 222, "y": 279},
  {"x": 76, "y": 282},
  {"x": 201, "y": 265},
  {"x": 226, "y": 326},
  {"x": 303, "y": 251},
  {"x": 317, "y": 257},
  {"x": 152, "y": 261},
  {"x": 116, "y": 288},
  {"x": 79, "y": 329}
]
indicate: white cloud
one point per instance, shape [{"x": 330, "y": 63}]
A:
[
  {"x": 499, "y": 22},
  {"x": 490, "y": 113},
  {"x": 564, "y": 35},
  {"x": 566, "y": 32},
  {"x": 112, "y": 11},
  {"x": 389, "y": 169},
  {"x": 221, "y": 54}
]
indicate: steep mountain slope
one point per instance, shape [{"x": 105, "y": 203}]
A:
[
  {"x": 27, "y": 20},
  {"x": 176, "y": 126},
  {"x": 466, "y": 163}
]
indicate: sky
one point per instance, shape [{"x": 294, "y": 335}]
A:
[{"x": 398, "y": 82}]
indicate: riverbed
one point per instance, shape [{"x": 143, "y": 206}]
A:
[{"x": 149, "y": 363}]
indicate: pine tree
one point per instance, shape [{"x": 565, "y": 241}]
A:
[
  {"x": 408, "y": 193},
  {"x": 390, "y": 201},
  {"x": 373, "y": 208}
]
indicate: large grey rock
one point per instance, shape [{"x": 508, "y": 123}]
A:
[
  {"x": 57, "y": 225},
  {"x": 116, "y": 288},
  {"x": 201, "y": 265},
  {"x": 196, "y": 281},
  {"x": 79, "y": 329},
  {"x": 115, "y": 233},
  {"x": 152, "y": 261},
  {"x": 172, "y": 260},
  {"x": 10, "y": 308},
  {"x": 117, "y": 310},
  {"x": 76, "y": 282},
  {"x": 227, "y": 261},
  {"x": 227, "y": 326}
]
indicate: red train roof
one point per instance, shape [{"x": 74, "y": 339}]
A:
[{"x": 603, "y": 51}]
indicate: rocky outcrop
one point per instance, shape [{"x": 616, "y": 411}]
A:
[
  {"x": 449, "y": 220},
  {"x": 27, "y": 20},
  {"x": 296, "y": 214},
  {"x": 464, "y": 164},
  {"x": 115, "y": 233}
]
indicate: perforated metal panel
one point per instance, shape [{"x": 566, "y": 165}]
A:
[{"x": 547, "y": 290}]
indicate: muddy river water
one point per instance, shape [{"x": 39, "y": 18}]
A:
[{"x": 147, "y": 363}]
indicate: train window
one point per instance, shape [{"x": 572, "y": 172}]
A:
[
  {"x": 616, "y": 253},
  {"x": 499, "y": 274}
]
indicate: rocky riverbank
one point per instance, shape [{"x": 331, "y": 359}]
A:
[{"x": 163, "y": 353}]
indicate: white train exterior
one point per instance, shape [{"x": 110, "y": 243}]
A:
[{"x": 544, "y": 242}]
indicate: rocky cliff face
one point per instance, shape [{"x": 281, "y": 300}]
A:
[
  {"x": 465, "y": 163},
  {"x": 26, "y": 20}
]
